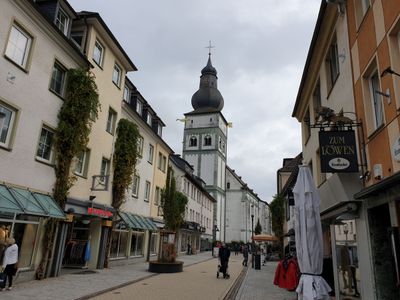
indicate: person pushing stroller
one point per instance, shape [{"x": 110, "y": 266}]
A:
[{"x": 224, "y": 254}]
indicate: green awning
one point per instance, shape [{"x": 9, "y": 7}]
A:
[
  {"x": 23, "y": 201},
  {"x": 137, "y": 222}
]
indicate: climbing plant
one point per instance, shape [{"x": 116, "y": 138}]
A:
[
  {"x": 124, "y": 161},
  {"x": 278, "y": 217},
  {"x": 80, "y": 106}
]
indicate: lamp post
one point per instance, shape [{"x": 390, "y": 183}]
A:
[
  {"x": 252, "y": 240},
  {"x": 346, "y": 230}
]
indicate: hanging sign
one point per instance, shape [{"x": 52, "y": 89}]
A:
[{"x": 338, "y": 151}]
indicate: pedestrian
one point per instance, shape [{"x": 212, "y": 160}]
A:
[
  {"x": 189, "y": 249},
  {"x": 10, "y": 261},
  {"x": 224, "y": 254},
  {"x": 245, "y": 255}
]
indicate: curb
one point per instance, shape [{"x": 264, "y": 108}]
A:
[
  {"x": 234, "y": 289},
  {"x": 94, "y": 294}
]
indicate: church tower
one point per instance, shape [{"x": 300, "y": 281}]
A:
[{"x": 205, "y": 142}]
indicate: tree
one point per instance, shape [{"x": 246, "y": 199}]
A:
[
  {"x": 258, "y": 229},
  {"x": 278, "y": 217},
  {"x": 173, "y": 204}
]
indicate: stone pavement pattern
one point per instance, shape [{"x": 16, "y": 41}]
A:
[
  {"x": 197, "y": 282},
  {"x": 258, "y": 284}
]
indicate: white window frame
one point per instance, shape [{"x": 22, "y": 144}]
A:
[
  {"x": 135, "y": 186},
  {"x": 104, "y": 171},
  {"x": 139, "y": 107},
  {"x": 12, "y": 47},
  {"x": 147, "y": 190},
  {"x": 159, "y": 129},
  {"x": 58, "y": 69},
  {"x": 148, "y": 118},
  {"x": 6, "y": 124},
  {"x": 82, "y": 163},
  {"x": 150, "y": 157},
  {"x": 116, "y": 75},
  {"x": 376, "y": 100},
  {"x": 140, "y": 146},
  {"x": 99, "y": 47},
  {"x": 39, "y": 156},
  {"x": 111, "y": 121},
  {"x": 64, "y": 27},
  {"x": 126, "y": 94}
]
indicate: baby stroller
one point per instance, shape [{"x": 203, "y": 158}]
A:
[{"x": 222, "y": 269}]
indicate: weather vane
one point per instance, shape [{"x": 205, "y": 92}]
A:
[{"x": 209, "y": 48}]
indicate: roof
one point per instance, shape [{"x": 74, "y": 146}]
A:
[
  {"x": 310, "y": 54},
  {"x": 244, "y": 184},
  {"x": 95, "y": 15},
  {"x": 205, "y": 112},
  {"x": 292, "y": 167}
]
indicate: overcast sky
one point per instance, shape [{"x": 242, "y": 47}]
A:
[{"x": 260, "y": 51}]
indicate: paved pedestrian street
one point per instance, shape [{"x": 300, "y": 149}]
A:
[{"x": 133, "y": 281}]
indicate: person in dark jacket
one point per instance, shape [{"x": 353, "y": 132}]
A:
[{"x": 224, "y": 254}]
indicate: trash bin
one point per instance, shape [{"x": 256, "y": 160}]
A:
[{"x": 257, "y": 262}]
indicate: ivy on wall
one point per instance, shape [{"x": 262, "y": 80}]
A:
[
  {"x": 81, "y": 105},
  {"x": 278, "y": 217}
]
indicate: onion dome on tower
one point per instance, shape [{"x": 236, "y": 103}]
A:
[{"x": 208, "y": 98}]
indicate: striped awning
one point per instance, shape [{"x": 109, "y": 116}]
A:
[
  {"x": 137, "y": 222},
  {"x": 23, "y": 201}
]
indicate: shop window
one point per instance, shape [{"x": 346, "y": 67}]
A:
[
  {"x": 98, "y": 53},
  {"x": 135, "y": 186},
  {"x": 58, "y": 79},
  {"x": 137, "y": 242},
  {"x": 78, "y": 238},
  {"x": 45, "y": 146},
  {"x": 7, "y": 120},
  {"x": 153, "y": 243},
  {"x": 18, "y": 46},
  {"x": 119, "y": 240}
]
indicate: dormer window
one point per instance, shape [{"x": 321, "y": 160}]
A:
[
  {"x": 207, "y": 140},
  {"x": 126, "y": 94},
  {"x": 62, "y": 21},
  {"x": 193, "y": 141},
  {"x": 139, "y": 107},
  {"x": 159, "y": 130},
  {"x": 148, "y": 119}
]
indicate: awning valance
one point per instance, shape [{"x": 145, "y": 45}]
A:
[
  {"x": 23, "y": 201},
  {"x": 137, "y": 222}
]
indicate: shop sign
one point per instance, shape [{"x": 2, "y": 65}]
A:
[
  {"x": 396, "y": 150},
  {"x": 99, "y": 212},
  {"x": 338, "y": 151}
]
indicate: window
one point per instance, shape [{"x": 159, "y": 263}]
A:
[
  {"x": 332, "y": 63},
  {"x": 135, "y": 186},
  {"x": 159, "y": 130},
  {"x": 193, "y": 141},
  {"x": 98, "y": 53},
  {"x": 162, "y": 162},
  {"x": 104, "y": 170},
  {"x": 157, "y": 196},
  {"x": 376, "y": 99},
  {"x": 228, "y": 185},
  {"x": 58, "y": 76},
  {"x": 18, "y": 46},
  {"x": 317, "y": 99},
  {"x": 7, "y": 117},
  {"x": 139, "y": 107},
  {"x": 62, "y": 21},
  {"x": 116, "y": 77},
  {"x": 153, "y": 243},
  {"x": 151, "y": 154},
  {"x": 45, "y": 151},
  {"x": 126, "y": 94},
  {"x": 77, "y": 38},
  {"x": 82, "y": 162},
  {"x": 361, "y": 7},
  {"x": 148, "y": 118},
  {"x": 111, "y": 120},
  {"x": 140, "y": 146},
  {"x": 207, "y": 140},
  {"x": 137, "y": 242},
  {"x": 119, "y": 242},
  {"x": 147, "y": 191}
]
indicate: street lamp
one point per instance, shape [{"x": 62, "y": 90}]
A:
[
  {"x": 388, "y": 70},
  {"x": 252, "y": 241},
  {"x": 346, "y": 230}
]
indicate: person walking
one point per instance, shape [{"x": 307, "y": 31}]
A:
[
  {"x": 245, "y": 255},
  {"x": 10, "y": 261},
  {"x": 224, "y": 254}
]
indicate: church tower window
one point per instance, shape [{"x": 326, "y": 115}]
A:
[
  {"x": 207, "y": 140},
  {"x": 193, "y": 141}
]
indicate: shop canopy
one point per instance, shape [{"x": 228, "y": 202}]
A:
[
  {"x": 137, "y": 222},
  {"x": 264, "y": 238},
  {"x": 22, "y": 201}
]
